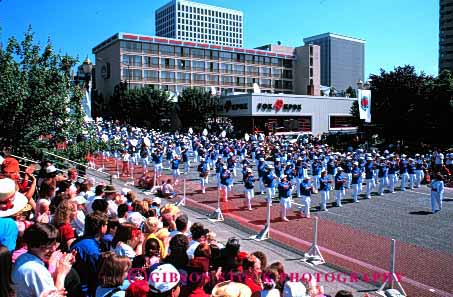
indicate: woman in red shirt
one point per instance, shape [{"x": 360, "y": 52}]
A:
[{"x": 64, "y": 214}]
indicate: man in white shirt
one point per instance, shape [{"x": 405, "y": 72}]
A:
[{"x": 182, "y": 225}]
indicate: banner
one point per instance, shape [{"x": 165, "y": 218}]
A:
[{"x": 364, "y": 98}]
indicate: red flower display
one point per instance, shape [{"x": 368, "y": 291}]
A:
[{"x": 278, "y": 105}]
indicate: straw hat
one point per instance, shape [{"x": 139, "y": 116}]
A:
[
  {"x": 11, "y": 202},
  {"x": 231, "y": 289}
]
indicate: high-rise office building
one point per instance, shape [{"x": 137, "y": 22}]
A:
[
  {"x": 191, "y": 21},
  {"x": 342, "y": 59},
  {"x": 446, "y": 35}
]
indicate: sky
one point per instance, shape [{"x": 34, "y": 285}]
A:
[{"x": 397, "y": 32}]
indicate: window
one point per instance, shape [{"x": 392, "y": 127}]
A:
[
  {"x": 167, "y": 76},
  {"x": 132, "y": 74},
  {"x": 151, "y": 61},
  {"x": 184, "y": 65},
  {"x": 265, "y": 71},
  {"x": 183, "y": 77},
  {"x": 276, "y": 62},
  {"x": 130, "y": 60},
  {"x": 167, "y": 63},
  {"x": 197, "y": 53},
  {"x": 198, "y": 65},
  {"x": 213, "y": 79},
  {"x": 151, "y": 75},
  {"x": 200, "y": 78},
  {"x": 239, "y": 69},
  {"x": 131, "y": 46},
  {"x": 150, "y": 48},
  {"x": 226, "y": 56},
  {"x": 338, "y": 122},
  {"x": 287, "y": 63},
  {"x": 167, "y": 49}
]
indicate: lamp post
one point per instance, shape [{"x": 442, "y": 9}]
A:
[{"x": 87, "y": 67}]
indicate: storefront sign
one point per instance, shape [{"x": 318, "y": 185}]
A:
[
  {"x": 229, "y": 106},
  {"x": 278, "y": 105}
]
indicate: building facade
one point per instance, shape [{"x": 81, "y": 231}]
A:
[
  {"x": 342, "y": 59},
  {"x": 267, "y": 112},
  {"x": 173, "y": 65},
  {"x": 446, "y": 35},
  {"x": 197, "y": 22}
]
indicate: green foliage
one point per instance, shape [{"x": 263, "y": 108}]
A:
[
  {"x": 144, "y": 107},
  {"x": 408, "y": 105},
  {"x": 197, "y": 107},
  {"x": 38, "y": 104}
]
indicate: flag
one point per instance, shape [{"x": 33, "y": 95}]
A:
[{"x": 364, "y": 99}]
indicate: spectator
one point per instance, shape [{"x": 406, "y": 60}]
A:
[
  {"x": 128, "y": 241},
  {"x": 252, "y": 273},
  {"x": 139, "y": 288},
  {"x": 79, "y": 221},
  {"x": 64, "y": 215},
  {"x": 295, "y": 289},
  {"x": 112, "y": 276},
  {"x": 30, "y": 274},
  {"x": 6, "y": 265},
  {"x": 177, "y": 252},
  {"x": 110, "y": 195},
  {"x": 198, "y": 236},
  {"x": 229, "y": 256},
  {"x": 182, "y": 225},
  {"x": 122, "y": 213},
  {"x": 344, "y": 293},
  {"x": 160, "y": 286},
  {"x": 111, "y": 231},
  {"x": 231, "y": 289},
  {"x": 150, "y": 256},
  {"x": 263, "y": 259},
  {"x": 89, "y": 248},
  {"x": 270, "y": 280},
  {"x": 100, "y": 205},
  {"x": 8, "y": 228}
]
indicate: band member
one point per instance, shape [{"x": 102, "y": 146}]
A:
[
  {"x": 226, "y": 181},
  {"x": 324, "y": 184},
  {"x": 204, "y": 172},
  {"x": 339, "y": 186},
  {"x": 369, "y": 177},
  {"x": 157, "y": 159},
  {"x": 175, "y": 169},
  {"x": 305, "y": 190},
  {"x": 437, "y": 192},
  {"x": 284, "y": 189},
  {"x": 125, "y": 158},
  {"x": 269, "y": 180},
  {"x": 382, "y": 175},
  {"x": 249, "y": 183}
]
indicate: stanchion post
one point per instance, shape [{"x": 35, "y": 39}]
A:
[
  {"x": 182, "y": 202},
  {"x": 217, "y": 215},
  {"x": 314, "y": 256},
  {"x": 392, "y": 279},
  {"x": 264, "y": 233},
  {"x": 117, "y": 170}
]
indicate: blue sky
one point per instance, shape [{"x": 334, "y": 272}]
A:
[{"x": 397, "y": 32}]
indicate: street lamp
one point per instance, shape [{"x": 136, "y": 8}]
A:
[
  {"x": 363, "y": 86},
  {"x": 87, "y": 67}
]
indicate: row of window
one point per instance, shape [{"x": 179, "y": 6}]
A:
[
  {"x": 181, "y": 77},
  {"x": 209, "y": 12},
  {"x": 204, "y": 27},
  {"x": 208, "y": 19}
]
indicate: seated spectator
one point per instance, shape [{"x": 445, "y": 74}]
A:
[
  {"x": 98, "y": 194},
  {"x": 128, "y": 241},
  {"x": 79, "y": 221},
  {"x": 270, "y": 279},
  {"x": 112, "y": 276},
  {"x": 168, "y": 191},
  {"x": 263, "y": 259},
  {"x": 111, "y": 231},
  {"x": 228, "y": 259},
  {"x": 30, "y": 274},
  {"x": 146, "y": 181},
  {"x": 122, "y": 213},
  {"x": 100, "y": 205}
]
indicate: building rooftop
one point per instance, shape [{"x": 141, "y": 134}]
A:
[
  {"x": 335, "y": 35},
  {"x": 201, "y": 5},
  {"x": 171, "y": 41}
]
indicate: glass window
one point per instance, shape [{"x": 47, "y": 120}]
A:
[
  {"x": 150, "y": 48},
  {"x": 341, "y": 122},
  {"x": 239, "y": 69},
  {"x": 183, "y": 64},
  {"x": 198, "y": 53},
  {"x": 198, "y": 65},
  {"x": 167, "y": 49},
  {"x": 131, "y": 46},
  {"x": 226, "y": 56},
  {"x": 287, "y": 63},
  {"x": 151, "y": 75},
  {"x": 199, "y": 77},
  {"x": 276, "y": 62}
]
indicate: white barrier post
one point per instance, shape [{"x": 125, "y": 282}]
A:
[
  {"x": 182, "y": 202},
  {"x": 217, "y": 215},
  {"x": 117, "y": 170},
  {"x": 314, "y": 256},
  {"x": 391, "y": 279},
  {"x": 264, "y": 233}
]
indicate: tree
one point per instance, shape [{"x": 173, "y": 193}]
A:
[
  {"x": 144, "y": 107},
  {"x": 39, "y": 106},
  {"x": 196, "y": 107}
]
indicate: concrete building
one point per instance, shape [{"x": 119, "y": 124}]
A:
[
  {"x": 446, "y": 35},
  {"x": 191, "y": 21},
  {"x": 173, "y": 65},
  {"x": 342, "y": 59},
  {"x": 289, "y": 112}
]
